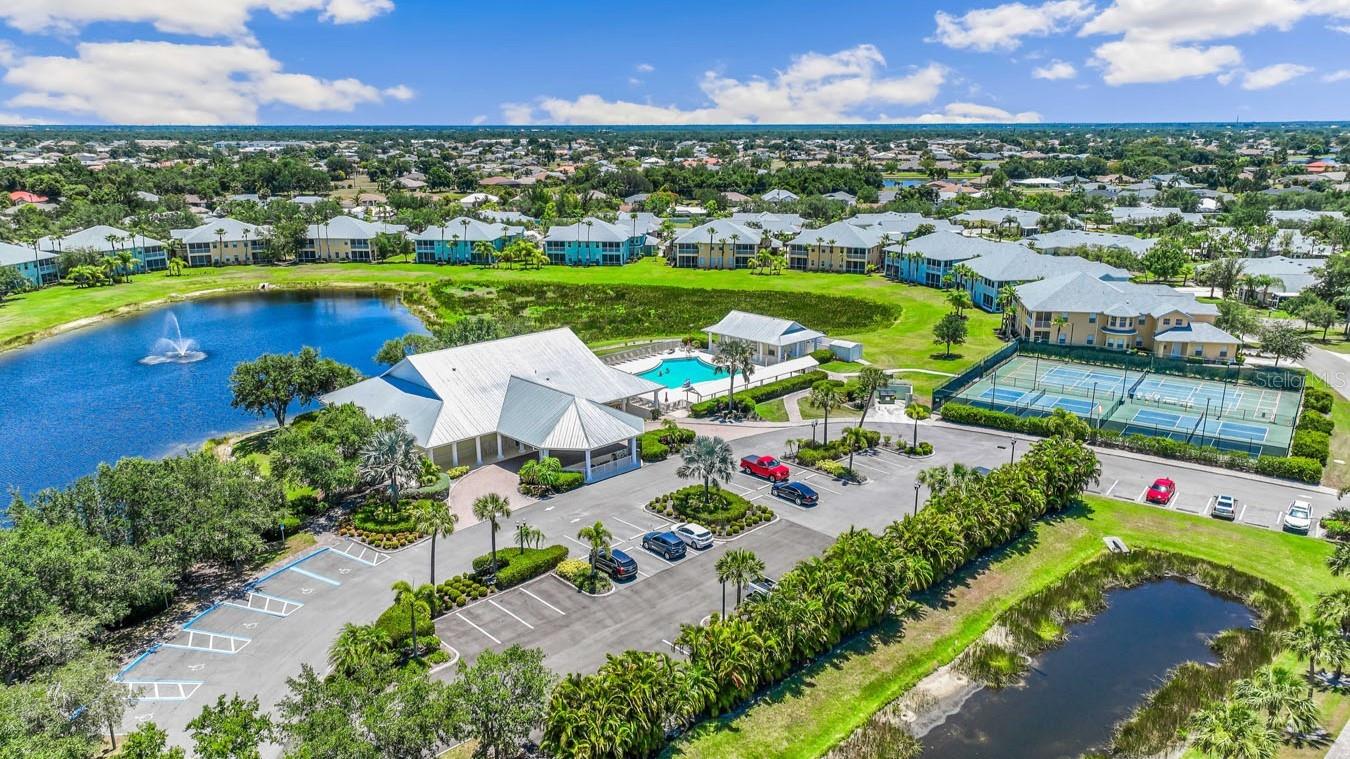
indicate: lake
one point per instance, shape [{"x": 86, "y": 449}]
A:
[
  {"x": 104, "y": 392},
  {"x": 1074, "y": 694}
]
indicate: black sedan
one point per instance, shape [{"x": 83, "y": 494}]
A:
[
  {"x": 796, "y": 492},
  {"x": 666, "y": 544}
]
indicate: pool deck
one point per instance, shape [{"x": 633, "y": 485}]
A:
[{"x": 703, "y": 390}]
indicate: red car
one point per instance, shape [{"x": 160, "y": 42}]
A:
[
  {"x": 1161, "y": 491},
  {"x": 767, "y": 467}
]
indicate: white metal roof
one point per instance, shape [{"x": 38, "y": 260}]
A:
[
  {"x": 720, "y": 231},
  {"x": 96, "y": 238},
  {"x": 233, "y": 228},
  {"x": 11, "y": 254},
  {"x": 467, "y": 386},
  {"x": 762, "y": 329},
  {"x": 546, "y": 417},
  {"x": 350, "y": 228}
]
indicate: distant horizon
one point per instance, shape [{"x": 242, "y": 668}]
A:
[{"x": 1040, "y": 125}]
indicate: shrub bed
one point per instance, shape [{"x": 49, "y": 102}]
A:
[
  {"x": 1310, "y": 444},
  {"x": 578, "y": 572},
  {"x": 746, "y": 399},
  {"x": 1315, "y": 421},
  {"x": 924, "y": 448},
  {"x": 822, "y": 355},
  {"x": 656, "y": 445},
  {"x": 460, "y": 590},
  {"x": 515, "y": 566},
  {"x": 1293, "y": 467},
  {"x": 810, "y": 453},
  {"x": 1318, "y": 399},
  {"x": 378, "y": 524},
  {"x": 394, "y": 623},
  {"x": 723, "y": 512}
]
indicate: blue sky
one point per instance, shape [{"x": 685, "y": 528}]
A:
[{"x": 425, "y": 62}]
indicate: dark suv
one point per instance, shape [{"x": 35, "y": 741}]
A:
[
  {"x": 666, "y": 544},
  {"x": 616, "y": 564}
]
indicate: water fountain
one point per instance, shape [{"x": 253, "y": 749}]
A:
[{"x": 173, "y": 348}]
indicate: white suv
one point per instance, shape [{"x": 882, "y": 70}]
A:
[
  {"x": 1299, "y": 517},
  {"x": 694, "y": 535}
]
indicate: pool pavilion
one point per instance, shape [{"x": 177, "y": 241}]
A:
[
  {"x": 543, "y": 393},
  {"x": 773, "y": 340}
]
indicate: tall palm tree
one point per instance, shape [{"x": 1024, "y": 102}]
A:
[
  {"x": 1232, "y": 730},
  {"x": 126, "y": 262},
  {"x": 739, "y": 567},
  {"x": 734, "y": 356},
  {"x": 709, "y": 459},
  {"x": 357, "y": 646},
  {"x": 491, "y": 507},
  {"x": 826, "y": 397},
  {"x": 936, "y": 478},
  {"x": 434, "y": 518},
  {"x": 528, "y": 536},
  {"x": 390, "y": 456},
  {"x": 424, "y": 595},
  {"x": 918, "y": 412},
  {"x": 598, "y": 537},
  {"x": 1311, "y": 640},
  {"x": 1279, "y": 693},
  {"x": 870, "y": 380}
]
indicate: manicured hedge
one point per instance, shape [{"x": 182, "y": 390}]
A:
[
  {"x": 1296, "y": 467},
  {"x": 727, "y": 514},
  {"x": 1315, "y": 421},
  {"x": 812, "y": 454},
  {"x": 514, "y": 567},
  {"x": 569, "y": 481},
  {"x": 656, "y": 445},
  {"x": 394, "y": 623},
  {"x": 1311, "y": 445},
  {"x": 1318, "y": 399},
  {"x": 822, "y": 355},
  {"x": 746, "y": 399}
]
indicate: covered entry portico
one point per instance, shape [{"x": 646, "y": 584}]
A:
[{"x": 592, "y": 438}]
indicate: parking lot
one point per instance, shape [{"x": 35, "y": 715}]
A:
[{"x": 252, "y": 642}]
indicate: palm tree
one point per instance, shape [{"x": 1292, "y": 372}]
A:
[
  {"x": 598, "y": 536},
  {"x": 527, "y": 535},
  {"x": 1339, "y": 562},
  {"x": 740, "y": 567},
  {"x": 1311, "y": 640},
  {"x": 870, "y": 380},
  {"x": 126, "y": 262},
  {"x": 734, "y": 356},
  {"x": 175, "y": 267},
  {"x": 357, "y": 646},
  {"x": 424, "y": 595},
  {"x": 1279, "y": 693},
  {"x": 491, "y": 507},
  {"x": 434, "y": 518},
  {"x": 1060, "y": 321},
  {"x": 936, "y": 478},
  {"x": 1232, "y": 730},
  {"x": 825, "y": 396},
  {"x": 918, "y": 412},
  {"x": 220, "y": 242},
  {"x": 709, "y": 459},
  {"x": 391, "y": 456},
  {"x": 1007, "y": 300}
]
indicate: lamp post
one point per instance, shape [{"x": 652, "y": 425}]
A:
[
  {"x": 916, "y": 499},
  {"x": 1011, "y": 448},
  {"x": 814, "y": 422}
]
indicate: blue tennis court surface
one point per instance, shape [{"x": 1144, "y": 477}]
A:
[
  {"x": 1075, "y": 405},
  {"x": 1069, "y": 376},
  {"x": 1003, "y": 395},
  {"x": 1212, "y": 428}
]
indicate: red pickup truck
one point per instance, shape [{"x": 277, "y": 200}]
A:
[{"x": 767, "y": 467}]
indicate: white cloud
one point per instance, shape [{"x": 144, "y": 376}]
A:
[
  {"x": 974, "y": 113},
  {"x": 1339, "y": 75},
  {"x": 1004, "y": 26},
  {"x": 18, "y": 119},
  {"x": 205, "y": 18},
  {"x": 143, "y": 82},
  {"x": 7, "y": 54},
  {"x": 1273, "y": 76},
  {"x": 644, "y": 68},
  {"x": 1342, "y": 28},
  {"x": 1055, "y": 70},
  {"x": 399, "y": 92},
  {"x": 1141, "y": 61},
  {"x": 815, "y": 88},
  {"x": 1158, "y": 41}
]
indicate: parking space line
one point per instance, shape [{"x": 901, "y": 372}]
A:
[
  {"x": 511, "y": 613},
  {"x": 542, "y": 601},
  {"x": 379, "y": 559},
  {"x": 1114, "y": 483},
  {"x": 873, "y": 468},
  {"x": 316, "y": 576},
  {"x": 1242, "y": 513},
  {"x": 643, "y": 530},
  {"x": 479, "y": 629},
  {"x": 656, "y": 555}
]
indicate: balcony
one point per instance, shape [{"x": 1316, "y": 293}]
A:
[{"x": 1120, "y": 330}]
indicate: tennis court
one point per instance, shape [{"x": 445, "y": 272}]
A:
[{"x": 1223, "y": 414}]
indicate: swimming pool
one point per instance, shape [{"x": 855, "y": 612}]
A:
[{"x": 673, "y": 372}]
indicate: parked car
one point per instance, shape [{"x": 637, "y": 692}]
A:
[
  {"x": 760, "y": 586},
  {"x": 767, "y": 467},
  {"x": 666, "y": 544},
  {"x": 617, "y": 564},
  {"x": 796, "y": 492},
  {"x": 1299, "y": 517},
  {"x": 1161, "y": 491},
  {"x": 1225, "y": 507},
  {"x": 694, "y": 535}
]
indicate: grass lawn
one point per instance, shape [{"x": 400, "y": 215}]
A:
[
  {"x": 772, "y": 411},
  {"x": 809, "y": 713},
  {"x": 1336, "y": 475},
  {"x": 842, "y": 367},
  {"x": 905, "y": 343},
  {"x": 811, "y": 412}
]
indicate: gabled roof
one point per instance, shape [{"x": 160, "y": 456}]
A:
[
  {"x": 1077, "y": 238},
  {"x": 96, "y": 238},
  {"x": 350, "y": 228},
  {"x": 843, "y": 234},
  {"x": 234, "y": 230},
  {"x": 719, "y": 230},
  {"x": 1083, "y": 293},
  {"x": 1026, "y": 265},
  {"x": 474, "y": 231},
  {"x": 11, "y": 254},
  {"x": 950, "y": 246},
  {"x": 459, "y": 393},
  {"x": 757, "y": 328},
  {"x": 598, "y": 230},
  {"x": 546, "y": 417},
  {"x": 1026, "y": 219},
  {"x": 899, "y": 224},
  {"x": 779, "y": 195},
  {"x": 1197, "y": 332}
]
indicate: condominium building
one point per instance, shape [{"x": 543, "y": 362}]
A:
[
  {"x": 838, "y": 247},
  {"x": 36, "y": 266},
  {"x": 594, "y": 242},
  {"x": 150, "y": 254},
  {"x": 457, "y": 240},
  {"x": 344, "y": 238},
  {"x": 223, "y": 241},
  {"x": 718, "y": 244}
]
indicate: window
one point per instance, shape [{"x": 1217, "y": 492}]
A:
[
  {"x": 1062, "y": 338},
  {"x": 1223, "y": 353},
  {"x": 1199, "y": 351},
  {"x": 1090, "y": 339},
  {"x": 1167, "y": 322},
  {"x": 1092, "y": 318}
]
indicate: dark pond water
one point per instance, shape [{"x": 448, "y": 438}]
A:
[
  {"x": 119, "y": 389},
  {"x": 1076, "y": 693}
]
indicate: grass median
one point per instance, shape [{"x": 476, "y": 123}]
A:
[{"x": 811, "y": 712}]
